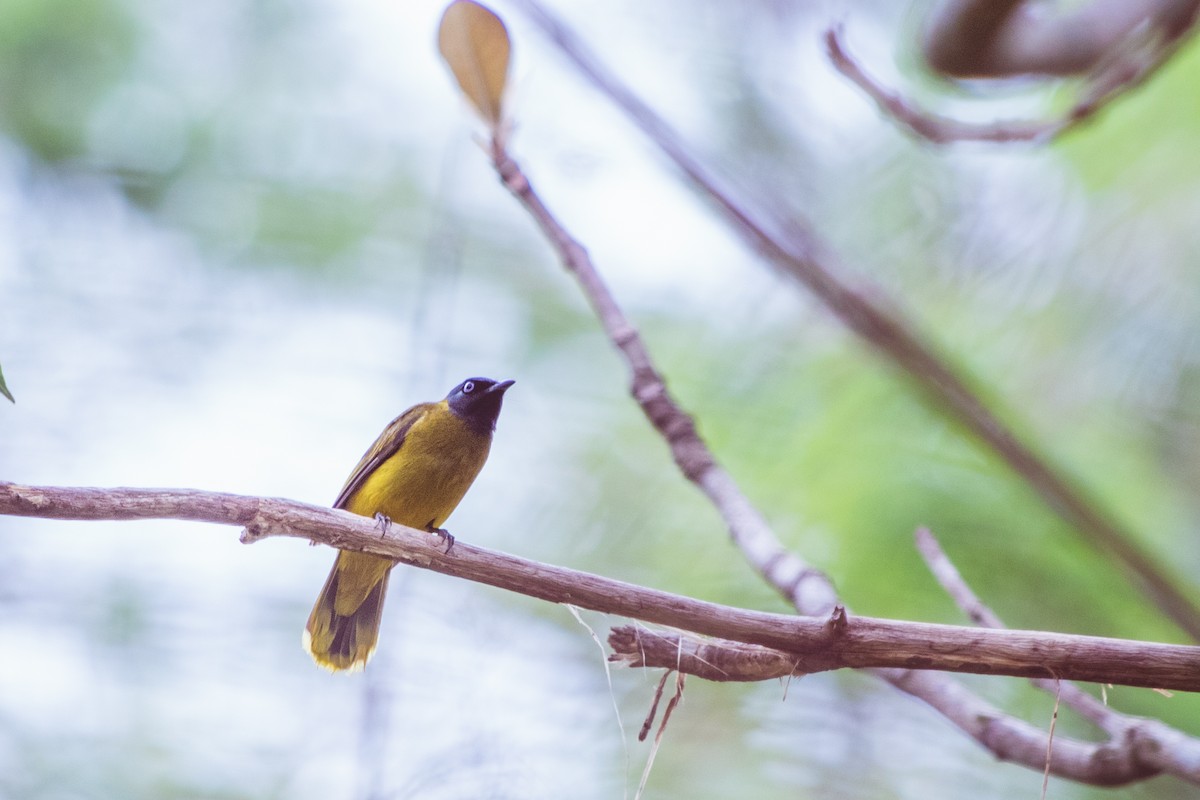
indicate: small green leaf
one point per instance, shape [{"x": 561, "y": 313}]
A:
[
  {"x": 475, "y": 44},
  {"x": 4, "y": 389}
]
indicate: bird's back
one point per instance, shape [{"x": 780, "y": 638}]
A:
[{"x": 423, "y": 480}]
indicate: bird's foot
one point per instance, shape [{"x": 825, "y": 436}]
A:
[
  {"x": 446, "y": 536},
  {"x": 383, "y": 523}
]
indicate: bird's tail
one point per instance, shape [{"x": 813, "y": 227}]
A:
[{"x": 344, "y": 625}]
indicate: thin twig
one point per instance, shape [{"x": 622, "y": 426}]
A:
[
  {"x": 948, "y": 576},
  {"x": 928, "y": 126},
  {"x": 1107, "y": 85},
  {"x": 662, "y": 727},
  {"x": 1178, "y": 753},
  {"x": 612, "y": 694},
  {"x": 1050, "y": 745},
  {"x": 798, "y": 251},
  {"x": 653, "y": 712}
]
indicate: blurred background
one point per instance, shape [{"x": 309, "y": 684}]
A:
[{"x": 238, "y": 237}]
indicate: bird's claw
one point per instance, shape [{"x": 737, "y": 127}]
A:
[{"x": 446, "y": 536}]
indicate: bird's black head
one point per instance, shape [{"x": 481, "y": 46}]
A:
[{"x": 477, "y": 402}]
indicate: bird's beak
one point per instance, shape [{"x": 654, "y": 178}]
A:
[{"x": 501, "y": 388}]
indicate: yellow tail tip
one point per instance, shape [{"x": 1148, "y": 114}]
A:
[{"x": 334, "y": 663}]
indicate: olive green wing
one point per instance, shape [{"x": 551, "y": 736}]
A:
[{"x": 386, "y": 446}]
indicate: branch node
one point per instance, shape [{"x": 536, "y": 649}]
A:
[
  {"x": 624, "y": 335},
  {"x": 839, "y": 621},
  {"x": 510, "y": 174},
  {"x": 256, "y": 529}
]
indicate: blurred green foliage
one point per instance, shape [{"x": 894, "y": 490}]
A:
[
  {"x": 1062, "y": 280},
  {"x": 1147, "y": 136},
  {"x": 58, "y": 61}
]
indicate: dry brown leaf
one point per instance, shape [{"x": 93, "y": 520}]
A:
[{"x": 475, "y": 44}]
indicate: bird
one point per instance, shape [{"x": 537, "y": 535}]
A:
[{"x": 414, "y": 474}]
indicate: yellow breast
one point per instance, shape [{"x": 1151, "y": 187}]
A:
[{"x": 424, "y": 480}]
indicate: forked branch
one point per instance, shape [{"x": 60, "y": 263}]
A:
[
  {"x": 796, "y": 250},
  {"x": 819, "y": 644},
  {"x": 801, "y": 254}
]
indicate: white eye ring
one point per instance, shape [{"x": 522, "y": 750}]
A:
[{"x": 468, "y": 387}]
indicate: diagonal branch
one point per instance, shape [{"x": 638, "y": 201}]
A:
[
  {"x": 819, "y": 644},
  {"x": 808, "y": 589},
  {"x": 937, "y": 129},
  {"x": 1101, "y": 89},
  {"x": 1004, "y": 38},
  {"x": 1175, "y": 752},
  {"x": 951, "y": 580},
  {"x": 800, "y": 253},
  {"x": 1008, "y": 738},
  {"x": 1137, "y": 748}
]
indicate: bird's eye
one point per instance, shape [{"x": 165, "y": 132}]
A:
[{"x": 468, "y": 387}]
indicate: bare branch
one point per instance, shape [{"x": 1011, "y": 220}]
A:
[
  {"x": 952, "y": 581},
  {"x": 936, "y": 129},
  {"x": 808, "y": 588},
  {"x": 1004, "y": 38},
  {"x": 1009, "y": 739},
  {"x": 1171, "y": 750},
  {"x": 797, "y": 251},
  {"x": 865, "y": 639},
  {"x": 1017, "y": 741},
  {"x": 648, "y": 723},
  {"x": 718, "y": 660},
  {"x": 1105, "y": 86},
  {"x": 1139, "y": 749},
  {"x": 842, "y": 642}
]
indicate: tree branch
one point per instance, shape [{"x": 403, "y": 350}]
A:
[
  {"x": 799, "y": 252},
  {"x": 718, "y": 660},
  {"x": 933, "y": 128},
  {"x": 1118, "y": 77},
  {"x": 1174, "y": 751},
  {"x": 1137, "y": 748},
  {"x": 1007, "y": 738},
  {"x": 805, "y": 587},
  {"x": 1005, "y": 38},
  {"x": 740, "y": 660},
  {"x": 951, "y": 580},
  {"x": 822, "y": 644}
]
